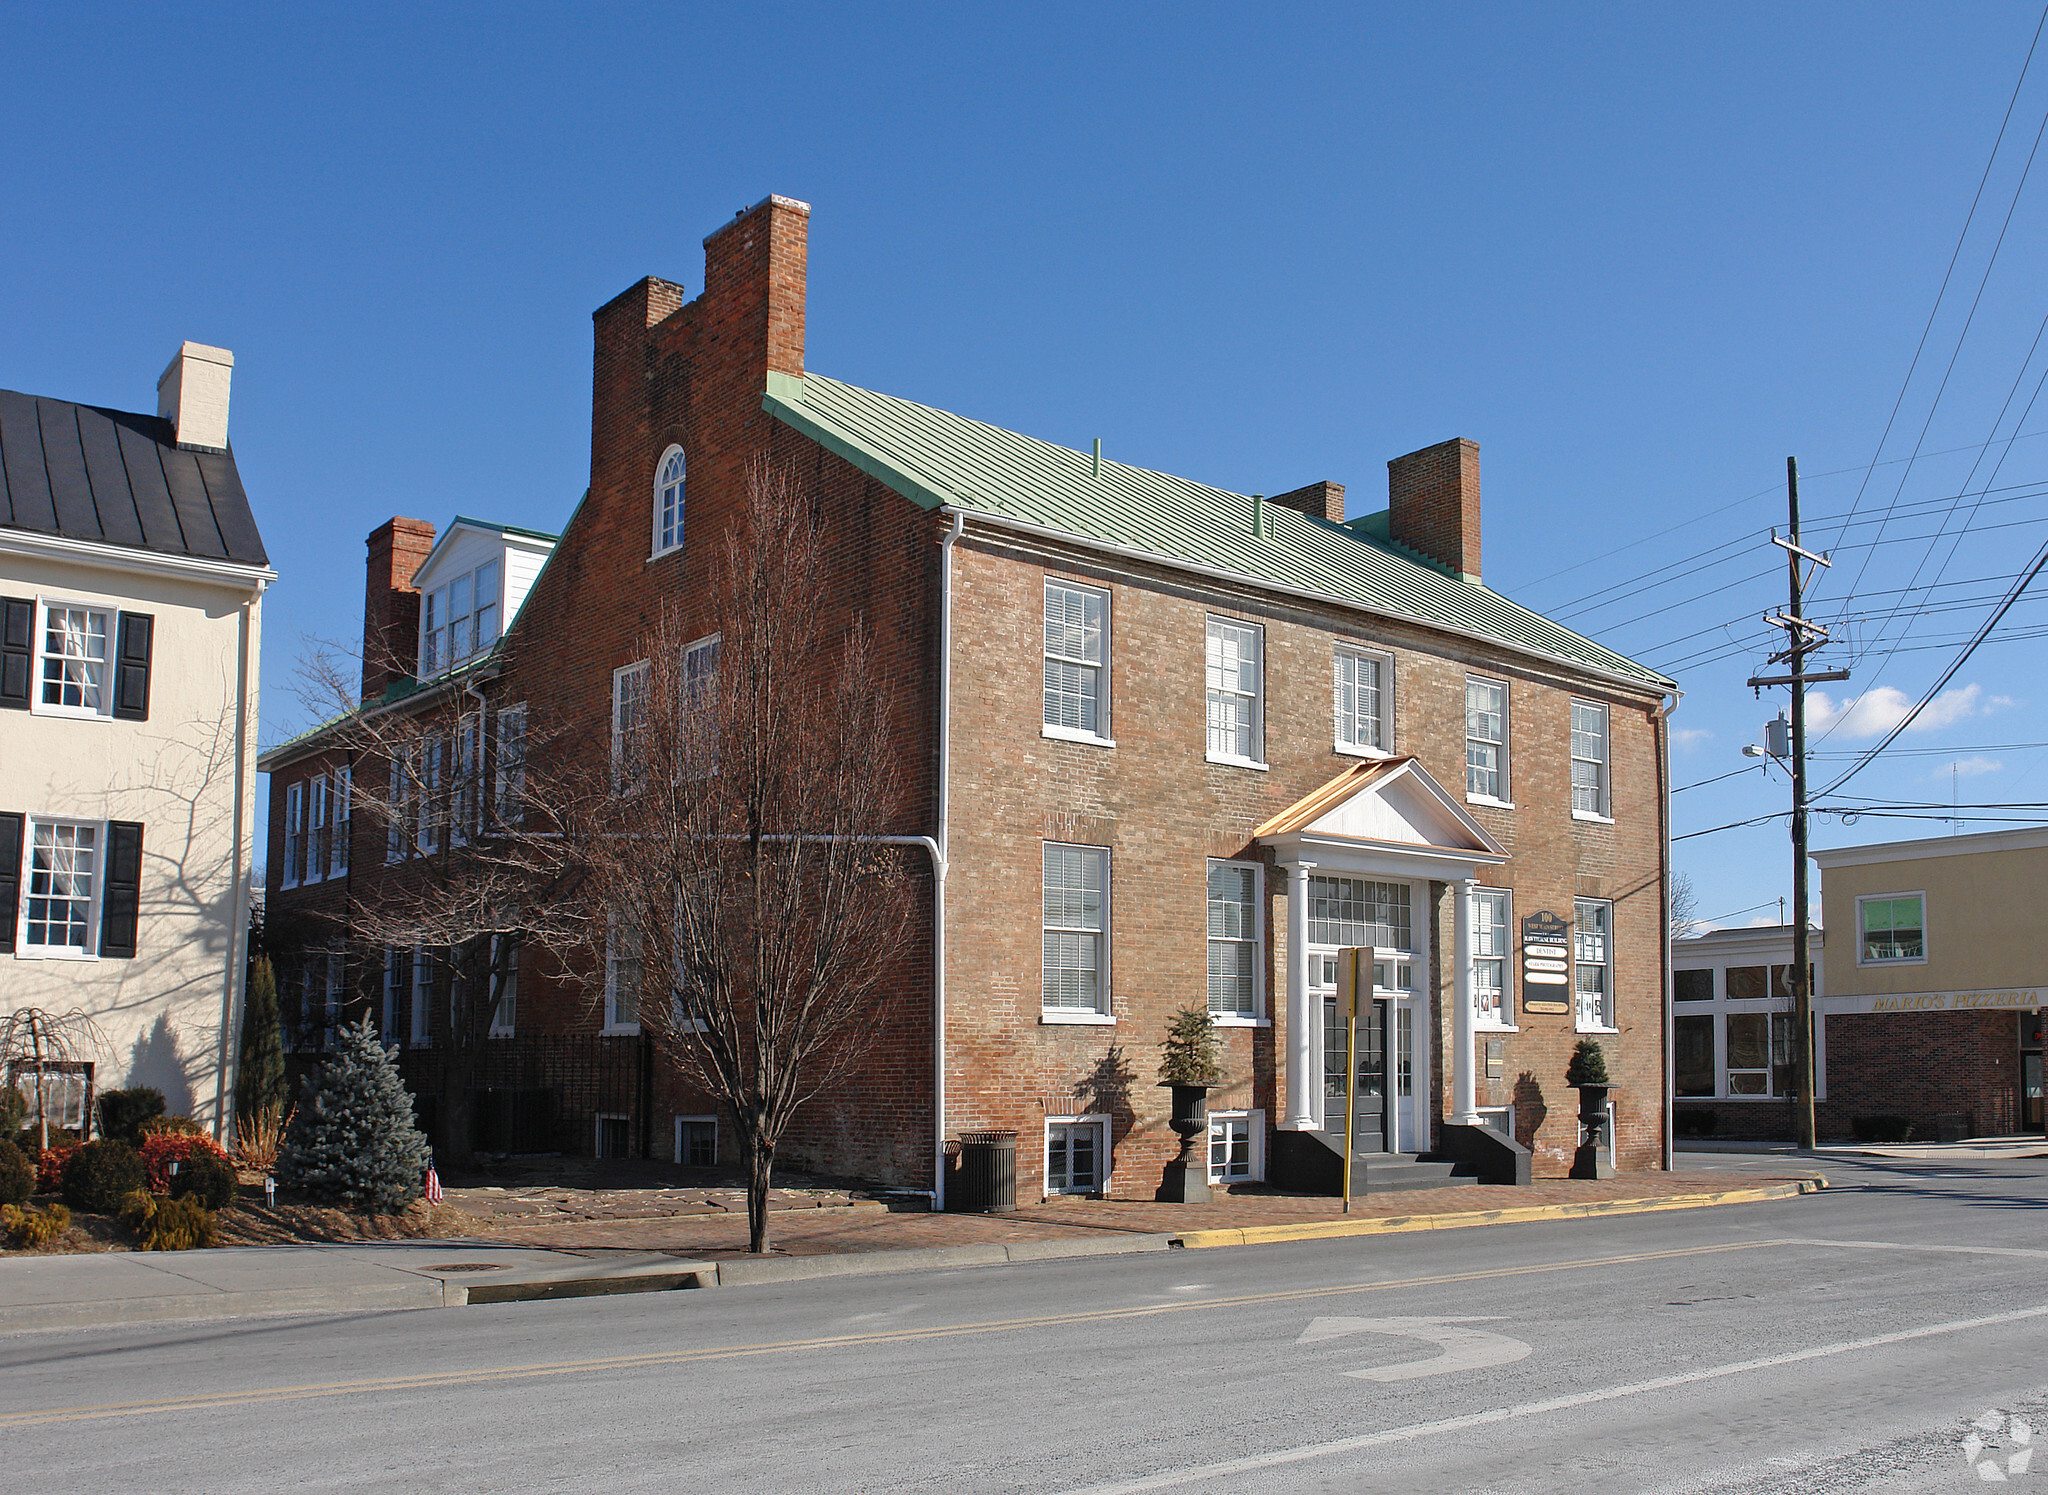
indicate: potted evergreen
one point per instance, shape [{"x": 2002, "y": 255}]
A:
[
  {"x": 1187, "y": 1067},
  {"x": 1587, "y": 1073}
]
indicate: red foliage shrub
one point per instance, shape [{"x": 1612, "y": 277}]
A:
[
  {"x": 50, "y": 1168},
  {"x": 161, "y": 1149}
]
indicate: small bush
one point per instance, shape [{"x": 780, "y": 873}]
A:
[
  {"x": 1188, "y": 1054},
  {"x": 168, "y": 1224},
  {"x": 100, "y": 1175},
  {"x": 123, "y": 1112},
  {"x": 50, "y": 1167},
  {"x": 28, "y": 1229},
  {"x": 206, "y": 1178},
  {"x": 30, "y": 1138},
  {"x": 353, "y": 1140},
  {"x": 17, "y": 1175},
  {"x": 1882, "y": 1128},
  {"x": 160, "y": 1149},
  {"x": 258, "y": 1137},
  {"x": 13, "y": 1110},
  {"x": 176, "y": 1126},
  {"x": 1588, "y": 1064}
]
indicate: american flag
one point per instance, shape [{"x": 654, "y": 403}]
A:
[{"x": 433, "y": 1185}]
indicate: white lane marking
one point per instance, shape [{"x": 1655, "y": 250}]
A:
[
  {"x": 1457, "y": 1349},
  {"x": 1200, "y": 1472},
  {"x": 2019, "y": 1251}
]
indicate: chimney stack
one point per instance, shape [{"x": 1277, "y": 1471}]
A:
[
  {"x": 754, "y": 274},
  {"x": 193, "y": 396},
  {"x": 391, "y": 604},
  {"x": 1433, "y": 504},
  {"x": 1323, "y": 500}
]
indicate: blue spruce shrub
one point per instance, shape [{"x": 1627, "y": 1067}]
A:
[{"x": 352, "y": 1139}]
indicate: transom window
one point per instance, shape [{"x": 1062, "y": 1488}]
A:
[
  {"x": 63, "y": 871},
  {"x": 1235, "y": 671},
  {"x": 1233, "y": 939},
  {"x": 1074, "y": 668},
  {"x": 1365, "y": 717},
  {"x": 669, "y": 484},
  {"x": 1492, "y": 1002},
  {"x": 1076, "y": 924},
  {"x": 1486, "y": 738},
  {"x": 1593, "y": 961},
  {"x": 1589, "y": 759},
  {"x": 1350, "y": 911},
  {"x": 74, "y": 655},
  {"x": 1892, "y": 928},
  {"x": 459, "y": 620}
]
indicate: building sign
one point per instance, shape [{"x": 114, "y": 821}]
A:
[
  {"x": 2012, "y": 999},
  {"x": 1546, "y": 963}
]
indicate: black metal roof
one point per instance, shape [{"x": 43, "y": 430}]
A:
[{"x": 120, "y": 479}]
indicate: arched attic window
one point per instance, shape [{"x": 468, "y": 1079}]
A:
[{"x": 668, "y": 501}]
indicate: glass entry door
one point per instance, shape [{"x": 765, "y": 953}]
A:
[{"x": 1369, "y": 1105}]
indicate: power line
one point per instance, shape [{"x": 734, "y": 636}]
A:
[{"x": 1746, "y": 768}]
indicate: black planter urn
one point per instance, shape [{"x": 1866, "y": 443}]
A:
[
  {"x": 1595, "y": 1157},
  {"x": 1187, "y": 1177}
]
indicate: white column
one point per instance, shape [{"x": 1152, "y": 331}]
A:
[
  {"x": 1302, "y": 1024},
  {"x": 1464, "y": 1084}
]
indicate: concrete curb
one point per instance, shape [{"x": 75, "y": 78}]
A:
[
  {"x": 187, "y": 1307},
  {"x": 1259, "y": 1235},
  {"x": 749, "y": 1273}
]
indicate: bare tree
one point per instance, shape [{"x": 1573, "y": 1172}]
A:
[
  {"x": 1684, "y": 907},
  {"x": 37, "y": 1045},
  {"x": 735, "y": 866}
]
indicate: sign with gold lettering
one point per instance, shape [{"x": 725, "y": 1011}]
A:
[{"x": 1546, "y": 963}]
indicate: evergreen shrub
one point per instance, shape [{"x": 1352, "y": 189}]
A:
[
  {"x": 352, "y": 1140},
  {"x": 17, "y": 1174},
  {"x": 168, "y": 1224},
  {"x": 1188, "y": 1056},
  {"x": 99, "y": 1175},
  {"x": 1588, "y": 1065},
  {"x": 207, "y": 1178},
  {"x": 27, "y": 1229},
  {"x": 260, "y": 1085},
  {"x": 122, "y": 1113}
]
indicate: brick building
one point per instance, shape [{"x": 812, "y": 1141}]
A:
[{"x": 1166, "y": 742}]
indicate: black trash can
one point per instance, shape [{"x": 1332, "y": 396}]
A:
[{"x": 985, "y": 1179}]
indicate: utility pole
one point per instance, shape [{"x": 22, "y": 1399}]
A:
[{"x": 1801, "y": 637}]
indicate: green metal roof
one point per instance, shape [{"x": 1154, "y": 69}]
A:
[{"x": 932, "y": 458}]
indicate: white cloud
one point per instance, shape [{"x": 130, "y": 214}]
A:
[
  {"x": 1690, "y": 737},
  {"x": 1999, "y": 701},
  {"x": 1763, "y": 921},
  {"x": 1968, "y": 768},
  {"x": 1876, "y": 712}
]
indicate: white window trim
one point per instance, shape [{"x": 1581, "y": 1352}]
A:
[
  {"x": 1255, "y": 1134},
  {"x": 680, "y": 1119},
  {"x": 419, "y": 1023},
  {"x": 389, "y": 1007},
  {"x": 1579, "y": 1025},
  {"x": 473, "y": 647},
  {"x": 613, "y": 1028},
  {"x": 644, "y": 669},
  {"x": 1101, "y": 737},
  {"x": 1863, "y": 898},
  {"x": 655, "y": 549},
  {"x": 319, "y": 798},
  {"x": 1260, "y": 1016},
  {"x": 1104, "y": 1014},
  {"x": 508, "y": 786},
  {"x": 1233, "y": 760},
  {"x": 716, "y": 643},
  {"x": 1605, "y": 814},
  {"x": 499, "y": 1027},
  {"x": 597, "y": 1121},
  {"x": 1508, "y": 1003},
  {"x": 294, "y": 833},
  {"x": 341, "y": 796},
  {"x": 1504, "y": 800},
  {"x": 1099, "y": 1119},
  {"x": 23, "y": 950},
  {"x": 1719, "y": 1008},
  {"x": 1386, "y": 664},
  {"x": 108, "y": 666},
  {"x": 1054, "y": 1016}
]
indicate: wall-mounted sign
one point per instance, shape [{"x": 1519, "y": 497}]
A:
[{"x": 1546, "y": 963}]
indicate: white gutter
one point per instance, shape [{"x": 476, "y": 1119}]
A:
[
  {"x": 939, "y": 851},
  {"x": 142, "y": 562},
  {"x": 238, "y": 936}
]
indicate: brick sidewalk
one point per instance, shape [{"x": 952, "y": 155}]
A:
[{"x": 867, "y": 1226}]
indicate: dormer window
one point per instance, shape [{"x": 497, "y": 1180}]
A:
[
  {"x": 459, "y": 620},
  {"x": 668, "y": 501}
]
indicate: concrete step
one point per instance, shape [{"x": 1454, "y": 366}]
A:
[{"x": 1395, "y": 1172}]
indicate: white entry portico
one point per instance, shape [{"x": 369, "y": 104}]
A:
[{"x": 1360, "y": 853}]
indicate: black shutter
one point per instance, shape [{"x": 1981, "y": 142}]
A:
[
  {"x": 131, "y": 667},
  {"x": 10, "y": 876},
  {"x": 17, "y": 652},
  {"x": 121, "y": 900}
]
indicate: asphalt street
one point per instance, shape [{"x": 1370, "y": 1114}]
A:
[{"x": 1887, "y": 1335}]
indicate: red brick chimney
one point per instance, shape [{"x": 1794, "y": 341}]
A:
[
  {"x": 1323, "y": 500},
  {"x": 1433, "y": 504},
  {"x": 754, "y": 272},
  {"x": 391, "y": 605}
]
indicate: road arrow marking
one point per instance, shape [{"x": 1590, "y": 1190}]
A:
[{"x": 1457, "y": 1349}]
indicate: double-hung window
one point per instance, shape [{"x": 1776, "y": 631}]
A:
[
  {"x": 316, "y": 827},
  {"x": 1235, "y": 667},
  {"x": 1593, "y": 962},
  {"x": 397, "y": 978},
  {"x": 1076, "y": 977},
  {"x": 432, "y": 787},
  {"x": 73, "y": 677},
  {"x": 1365, "y": 701},
  {"x": 466, "y": 803},
  {"x": 1891, "y": 929},
  {"x": 1076, "y": 661},
  {"x": 510, "y": 774},
  {"x": 1234, "y": 939},
  {"x": 342, "y": 793},
  {"x": 1486, "y": 739},
  {"x": 74, "y": 659},
  {"x": 698, "y": 704},
  {"x": 629, "y": 723},
  {"x": 1589, "y": 760},
  {"x": 460, "y": 618},
  {"x": 294, "y": 834},
  {"x": 669, "y": 483},
  {"x": 422, "y": 998},
  {"x": 64, "y": 867},
  {"x": 1493, "y": 1002},
  {"x": 404, "y": 810},
  {"x": 622, "y": 979},
  {"x": 502, "y": 978}
]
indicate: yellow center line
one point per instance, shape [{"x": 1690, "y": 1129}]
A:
[{"x": 488, "y": 1375}]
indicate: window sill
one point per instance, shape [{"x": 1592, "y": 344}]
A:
[
  {"x": 501, "y": 1033},
  {"x": 619, "y": 1030},
  {"x": 1234, "y": 1020},
  {"x": 1068, "y": 734},
  {"x": 1218, "y": 758},
  {"x": 1591, "y": 818},
  {"x": 1582, "y": 1028},
  {"x": 62, "y": 953},
  {"x": 1489, "y": 801},
  {"x": 1053, "y": 1017},
  {"x": 1353, "y": 750},
  {"x": 1867, "y": 965},
  {"x": 69, "y": 713},
  {"x": 662, "y": 555}
]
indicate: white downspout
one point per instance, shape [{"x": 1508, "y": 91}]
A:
[
  {"x": 238, "y": 903},
  {"x": 939, "y": 856}
]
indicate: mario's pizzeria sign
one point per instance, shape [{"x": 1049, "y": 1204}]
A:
[{"x": 2013, "y": 999}]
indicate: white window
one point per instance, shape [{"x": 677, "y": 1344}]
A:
[
  {"x": 466, "y": 804},
  {"x": 1076, "y": 669},
  {"x": 1891, "y": 929},
  {"x": 505, "y": 970},
  {"x": 294, "y": 833},
  {"x": 1365, "y": 701},
  {"x": 338, "y": 833},
  {"x": 1076, "y": 929},
  {"x": 1076, "y": 1155},
  {"x": 432, "y": 784},
  {"x": 698, "y": 703},
  {"x": 316, "y": 827},
  {"x": 72, "y": 667},
  {"x": 629, "y": 720},
  {"x": 460, "y": 619},
  {"x": 697, "y": 1141},
  {"x": 1593, "y": 962},
  {"x": 622, "y": 979},
  {"x": 1234, "y": 929},
  {"x": 489, "y": 608},
  {"x": 1493, "y": 1001},
  {"x": 1235, "y": 670},
  {"x": 433, "y": 633},
  {"x": 1486, "y": 739},
  {"x": 61, "y": 902},
  {"x": 1237, "y": 1145},
  {"x": 1351, "y": 911},
  {"x": 669, "y": 483},
  {"x": 397, "y": 979},
  {"x": 397, "y": 829},
  {"x": 422, "y": 996},
  {"x": 1589, "y": 759},
  {"x": 511, "y": 769}
]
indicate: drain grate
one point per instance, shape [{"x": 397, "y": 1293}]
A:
[{"x": 469, "y": 1266}]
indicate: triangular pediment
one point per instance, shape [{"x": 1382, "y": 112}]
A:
[{"x": 1389, "y": 804}]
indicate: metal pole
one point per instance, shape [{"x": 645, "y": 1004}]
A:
[{"x": 1802, "y": 996}]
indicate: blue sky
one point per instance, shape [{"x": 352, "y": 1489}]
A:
[{"x": 1640, "y": 253}]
